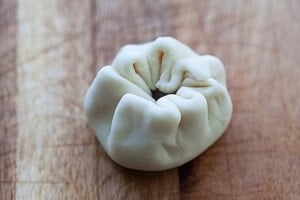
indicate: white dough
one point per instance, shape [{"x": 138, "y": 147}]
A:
[{"x": 139, "y": 132}]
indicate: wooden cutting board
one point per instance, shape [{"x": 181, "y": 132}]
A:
[{"x": 51, "y": 50}]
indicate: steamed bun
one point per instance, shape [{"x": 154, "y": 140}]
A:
[{"x": 158, "y": 105}]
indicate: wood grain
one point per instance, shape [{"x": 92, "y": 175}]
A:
[
  {"x": 57, "y": 153},
  {"x": 8, "y": 121},
  {"x": 51, "y": 50}
]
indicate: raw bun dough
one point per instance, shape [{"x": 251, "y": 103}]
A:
[{"x": 142, "y": 133}]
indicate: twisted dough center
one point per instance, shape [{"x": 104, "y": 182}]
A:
[{"x": 162, "y": 67}]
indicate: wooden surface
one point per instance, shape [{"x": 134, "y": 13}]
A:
[{"x": 51, "y": 50}]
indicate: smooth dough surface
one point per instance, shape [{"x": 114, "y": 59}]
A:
[{"x": 142, "y": 133}]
